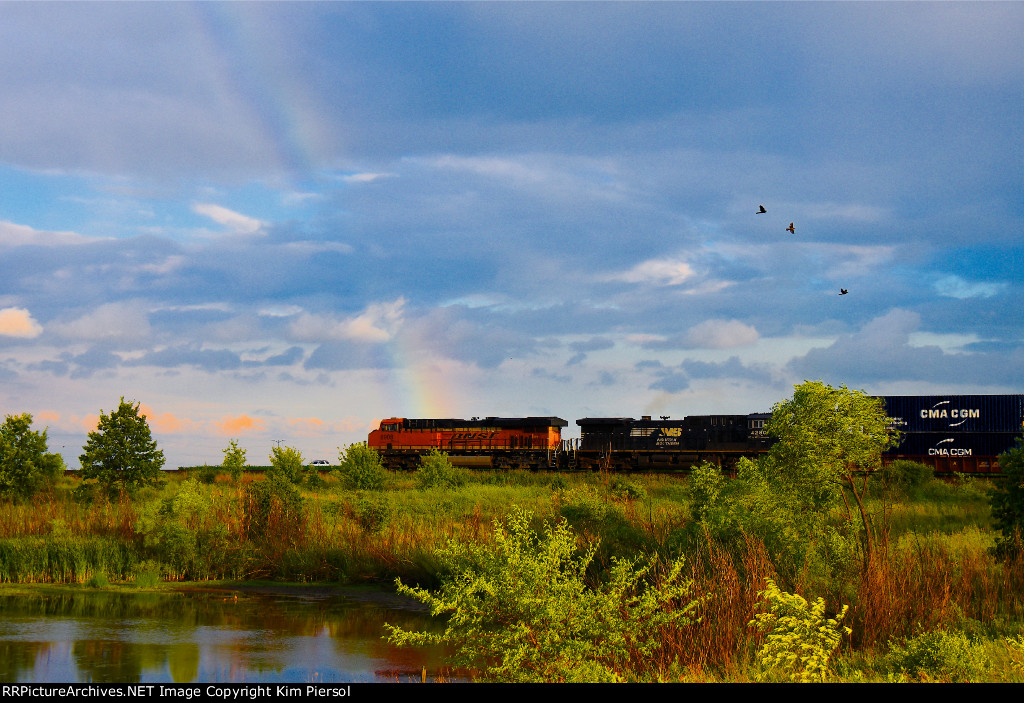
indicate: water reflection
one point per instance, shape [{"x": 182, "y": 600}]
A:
[{"x": 280, "y": 635}]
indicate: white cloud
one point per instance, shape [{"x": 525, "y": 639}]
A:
[
  {"x": 721, "y": 334},
  {"x": 378, "y": 323},
  {"x": 709, "y": 287},
  {"x": 280, "y": 311},
  {"x": 956, "y": 287},
  {"x": 237, "y": 222},
  {"x": 14, "y": 235},
  {"x": 18, "y": 322},
  {"x": 118, "y": 321},
  {"x": 856, "y": 260},
  {"x": 829, "y": 211},
  {"x": 504, "y": 168},
  {"x": 656, "y": 272},
  {"x": 365, "y": 177},
  {"x": 308, "y": 248}
]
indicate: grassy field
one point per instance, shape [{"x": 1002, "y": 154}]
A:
[{"x": 933, "y": 603}]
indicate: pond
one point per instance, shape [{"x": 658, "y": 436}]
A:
[{"x": 242, "y": 635}]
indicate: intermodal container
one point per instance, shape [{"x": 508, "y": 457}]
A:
[
  {"x": 954, "y": 444},
  {"x": 956, "y": 413}
]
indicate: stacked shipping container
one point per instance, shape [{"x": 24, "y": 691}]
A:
[{"x": 956, "y": 432}]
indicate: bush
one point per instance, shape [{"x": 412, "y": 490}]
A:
[
  {"x": 360, "y": 468},
  {"x": 273, "y": 508},
  {"x": 585, "y": 510},
  {"x": 373, "y": 514},
  {"x": 940, "y": 656},
  {"x": 800, "y": 640},
  {"x": 627, "y": 490},
  {"x": 903, "y": 475},
  {"x": 1007, "y": 500},
  {"x": 175, "y": 531},
  {"x": 436, "y": 471},
  {"x": 705, "y": 489},
  {"x": 147, "y": 575},
  {"x": 98, "y": 580},
  {"x": 519, "y": 610},
  {"x": 288, "y": 462},
  {"x": 208, "y": 474}
]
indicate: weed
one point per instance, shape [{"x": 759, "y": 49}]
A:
[{"x": 800, "y": 639}]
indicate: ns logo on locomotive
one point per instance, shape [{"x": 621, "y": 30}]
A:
[{"x": 962, "y": 434}]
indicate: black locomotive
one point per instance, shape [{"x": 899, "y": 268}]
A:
[{"x": 626, "y": 444}]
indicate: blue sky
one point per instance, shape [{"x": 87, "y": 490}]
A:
[{"x": 286, "y": 221}]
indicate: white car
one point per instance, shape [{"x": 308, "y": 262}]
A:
[{"x": 320, "y": 462}]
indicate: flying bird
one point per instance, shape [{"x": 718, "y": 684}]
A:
[
  {"x": 843, "y": 291},
  {"x": 761, "y": 211},
  {"x": 791, "y": 229}
]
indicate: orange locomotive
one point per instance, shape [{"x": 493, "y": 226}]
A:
[{"x": 499, "y": 442}]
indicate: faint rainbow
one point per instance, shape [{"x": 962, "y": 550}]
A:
[
  {"x": 417, "y": 386},
  {"x": 248, "y": 70}
]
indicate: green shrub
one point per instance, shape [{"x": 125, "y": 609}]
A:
[
  {"x": 940, "y": 656},
  {"x": 903, "y": 475},
  {"x": 288, "y": 462},
  {"x": 800, "y": 639},
  {"x": 585, "y": 509},
  {"x": 626, "y": 489},
  {"x": 175, "y": 531},
  {"x": 436, "y": 471},
  {"x": 147, "y": 575},
  {"x": 373, "y": 514},
  {"x": 98, "y": 580},
  {"x": 519, "y": 609},
  {"x": 1007, "y": 500},
  {"x": 208, "y": 474},
  {"x": 705, "y": 490},
  {"x": 272, "y": 508},
  {"x": 360, "y": 468}
]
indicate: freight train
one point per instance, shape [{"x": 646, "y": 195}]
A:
[{"x": 955, "y": 433}]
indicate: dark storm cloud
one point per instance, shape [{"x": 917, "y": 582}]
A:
[
  {"x": 676, "y": 378},
  {"x": 670, "y": 382},
  {"x": 731, "y": 368},
  {"x": 592, "y": 344},
  {"x": 547, "y": 375},
  {"x": 205, "y": 359}
]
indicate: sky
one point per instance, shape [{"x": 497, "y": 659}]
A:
[{"x": 283, "y": 222}]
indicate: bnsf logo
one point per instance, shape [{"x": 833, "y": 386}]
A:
[{"x": 463, "y": 436}]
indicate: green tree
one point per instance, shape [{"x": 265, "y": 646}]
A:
[
  {"x": 826, "y": 437},
  {"x": 121, "y": 454},
  {"x": 234, "y": 459},
  {"x": 360, "y": 467},
  {"x": 288, "y": 462},
  {"x": 1007, "y": 500},
  {"x": 519, "y": 609},
  {"x": 25, "y": 464}
]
